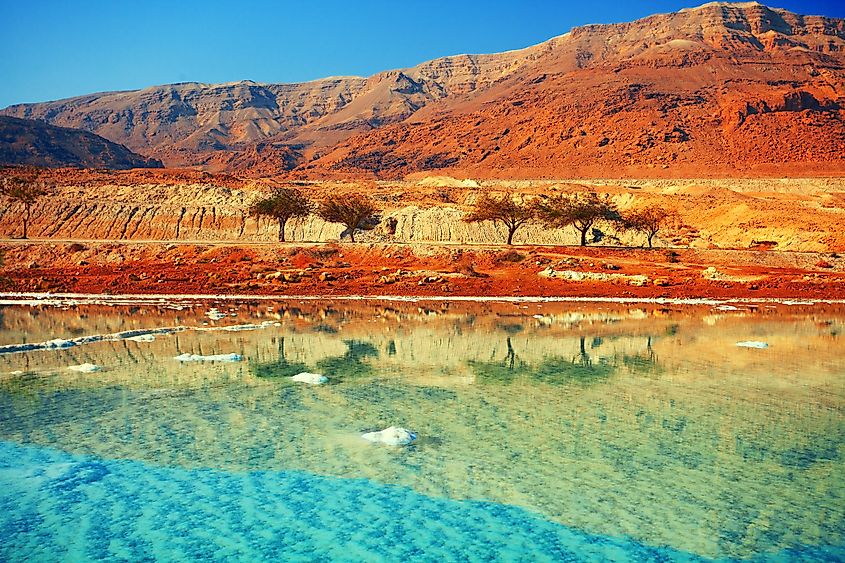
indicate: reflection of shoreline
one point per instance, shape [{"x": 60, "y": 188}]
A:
[{"x": 444, "y": 344}]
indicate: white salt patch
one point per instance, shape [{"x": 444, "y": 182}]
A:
[
  {"x": 212, "y": 358},
  {"x": 310, "y": 378},
  {"x": 64, "y": 299},
  {"x": 393, "y": 436},
  {"x": 142, "y": 338},
  {"x": 238, "y": 328},
  {"x": 215, "y": 315},
  {"x": 752, "y": 344},
  {"x": 85, "y": 368}
]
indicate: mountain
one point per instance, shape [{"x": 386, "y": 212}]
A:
[
  {"x": 719, "y": 89},
  {"x": 35, "y": 143}
]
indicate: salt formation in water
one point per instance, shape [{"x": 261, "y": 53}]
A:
[
  {"x": 310, "y": 378},
  {"x": 142, "y": 338},
  {"x": 55, "y": 344},
  {"x": 215, "y": 315},
  {"x": 238, "y": 328},
  {"x": 752, "y": 344},
  {"x": 212, "y": 358},
  {"x": 393, "y": 436},
  {"x": 85, "y": 368},
  {"x": 60, "y": 343}
]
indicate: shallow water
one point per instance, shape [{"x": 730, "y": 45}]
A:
[{"x": 546, "y": 432}]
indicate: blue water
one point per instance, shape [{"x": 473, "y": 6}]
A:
[
  {"x": 608, "y": 435},
  {"x": 57, "y": 506}
]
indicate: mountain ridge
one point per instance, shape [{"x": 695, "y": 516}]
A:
[{"x": 737, "y": 61}]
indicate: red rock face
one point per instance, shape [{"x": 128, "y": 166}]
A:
[{"x": 721, "y": 89}]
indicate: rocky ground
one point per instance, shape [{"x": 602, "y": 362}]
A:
[{"x": 417, "y": 270}]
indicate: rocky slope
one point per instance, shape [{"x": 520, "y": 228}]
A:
[
  {"x": 35, "y": 143},
  {"x": 718, "y": 89},
  {"x": 715, "y": 90}
]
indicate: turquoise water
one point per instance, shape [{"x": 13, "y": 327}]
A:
[{"x": 546, "y": 432}]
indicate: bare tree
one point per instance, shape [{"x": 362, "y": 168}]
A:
[
  {"x": 24, "y": 190},
  {"x": 352, "y": 211},
  {"x": 582, "y": 211},
  {"x": 650, "y": 221},
  {"x": 502, "y": 210},
  {"x": 283, "y": 204}
]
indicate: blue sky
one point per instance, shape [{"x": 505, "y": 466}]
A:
[{"x": 61, "y": 48}]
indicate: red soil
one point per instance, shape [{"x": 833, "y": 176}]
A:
[{"x": 343, "y": 270}]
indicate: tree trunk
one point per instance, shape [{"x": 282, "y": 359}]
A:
[
  {"x": 650, "y": 236},
  {"x": 282, "y": 230},
  {"x": 352, "y": 235},
  {"x": 511, "y": 231},
  {"x": 26, "y": 216},
  {"x": 584, "y": 237}
]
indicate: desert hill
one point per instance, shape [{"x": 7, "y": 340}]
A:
[
  {"x": 721, "y": 89},
  {"x": 35, "y": 143}
]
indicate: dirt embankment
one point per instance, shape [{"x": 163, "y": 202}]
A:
[
  {"x": 796, "y": 214},
  {"x": 378, "y": 269}
]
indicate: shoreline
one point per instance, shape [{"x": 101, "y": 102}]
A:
[{"x": 58, "y": 299}]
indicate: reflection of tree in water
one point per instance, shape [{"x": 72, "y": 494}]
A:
[
  {"x": 579, "y": 370},
  {"x": 500, "y": 371},
  {"x": 352, "y": 363},
  {"x": 280, "y": 368},
  {"x": 642, "y": 362},
  {"x": 559, "y": 370}
]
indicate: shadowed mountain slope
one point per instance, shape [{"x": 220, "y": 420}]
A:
[{"x": 35, "y": 143}]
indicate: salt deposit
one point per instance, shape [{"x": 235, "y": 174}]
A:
[
  {"x": 752, "y": 344},
  {"x": 215, "y": 315},
  {"x": 393, "y": 436},
  {"x": 142, "y": 338},
  {"x": 212, "y": 358},
  {"x": 85, "y": 368},
  {"x": 60, "y": 343},
  {"x": 310, "y": 378}
]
